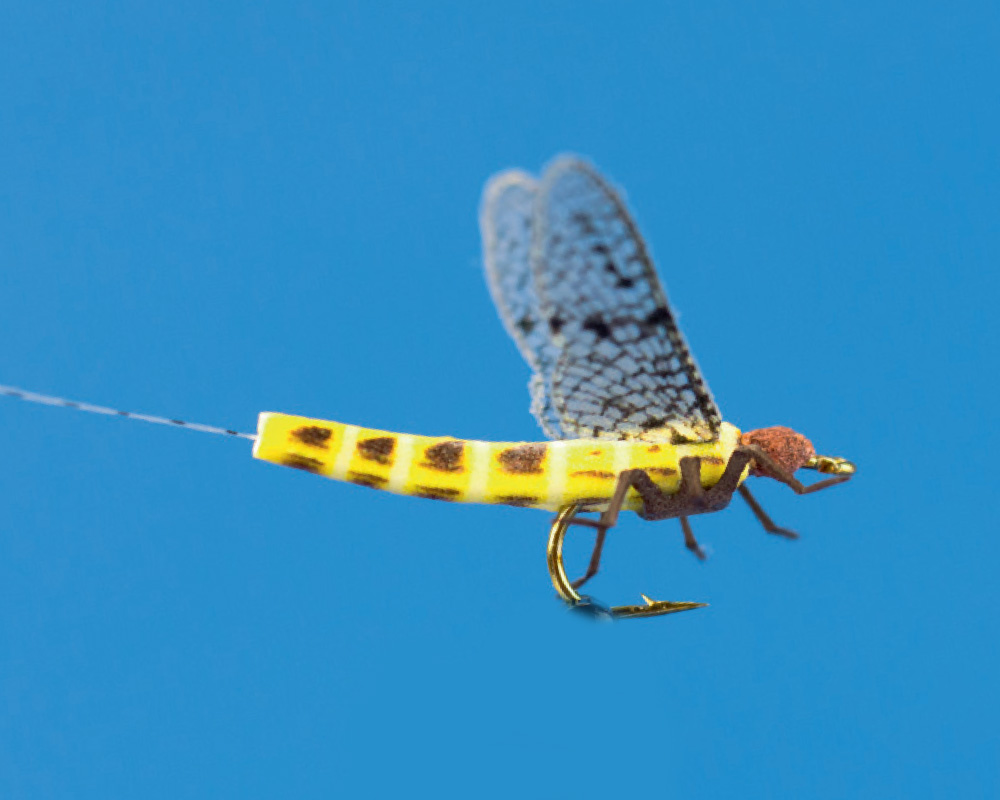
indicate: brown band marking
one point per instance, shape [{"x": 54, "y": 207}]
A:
[
  {"x": 592, "y": 473},
  {"x": 313, "y": 465},
  {"x": 378, "y": 449},
  {"x": 313, "y": 435},
  {"x": 367, "y": 479},
  {"x": 524, "y": 459},
  {"x": 444, "y": 457},
  {"x": 519, "y": 500},
  {"x": 436, "y": 493}
]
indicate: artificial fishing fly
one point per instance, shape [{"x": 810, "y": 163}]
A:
[{"x": 631, "y": 422}]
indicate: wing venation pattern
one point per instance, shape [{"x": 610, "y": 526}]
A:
[
  {"x": 622, "y": 369},
  {"x": 506, "y": 220}
]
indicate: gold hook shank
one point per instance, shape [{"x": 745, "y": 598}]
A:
[{"x": 563, "y": 586}]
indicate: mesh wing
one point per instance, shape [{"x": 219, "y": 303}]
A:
[
  {"x": 506, "y": 220},
  {"x": 621, "y": 366}
]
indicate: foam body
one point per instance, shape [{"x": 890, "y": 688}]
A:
[{"x": 546, "y": 475}]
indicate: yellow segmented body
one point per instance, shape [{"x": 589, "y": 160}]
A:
[{"x": 546, "y": 475}]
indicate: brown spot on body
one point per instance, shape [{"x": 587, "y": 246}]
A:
[
  {"x": 521, "y": 501},
  {"x": 444, "y": 457},
  {"x": 436, "y": 493},
  {"x": 596, "y": 453},
  {"x": 313, "y": 435},
  {"x": 664, "y": 471},
  {"x": 367, "y": 479},
  {"x": 712, "y": 460},
  {"x": 524, "y": 459},
  {"x": 653, "y": 448},
  {"x": 378, "y": 449},
  {"x": 592, "y": 473},
  {"x": 313, "y": 465}
]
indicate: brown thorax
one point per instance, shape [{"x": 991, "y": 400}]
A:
[{"x": 791, "y": 450}]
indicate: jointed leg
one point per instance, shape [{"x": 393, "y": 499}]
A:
[
  {"x": 689, "y": 541},
  {"x": 608, "y": 519},
  {"x": 692, "y": 490},
  {"x": 730, "y": 478},
  {"x": 771, "y": 467},
  {"x": 656, "y": 505},
  {"x": 763, "y": 518},
  {"x": 595, "y": 559},
  {"x": 692, "y": 498}
]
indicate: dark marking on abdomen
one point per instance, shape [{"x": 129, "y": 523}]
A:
[
  {"x": 313, "y": 435},
  {"x": 665, "y": 471},
  {"x": 378, "y": 449},
  {"x": 524, "y": 459},
  {"x": 592, "y": 473},
  {"x": 518, "y": 500},
  {"x": 444, "y": 457},
  {"x": 436, "y": 493},
  {"x": 313, "y": 465},
  {"x": 367, "y": 479},
  {"x": 712, "y": 460}
]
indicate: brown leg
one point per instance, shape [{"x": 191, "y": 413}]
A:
[
  {"x": 730, "y": 478},
  {"x": 656, "y": 505},
  {"x": 763, "y": 517},
  {"x": 689, "y": 541},
  {"x": 690, "y": 477},
  {"x": 691, "y": 497},
  {"x": 595, "y": 560},
  {"x": 765, "y": 461},
  {"x": 607, "y": 520}
]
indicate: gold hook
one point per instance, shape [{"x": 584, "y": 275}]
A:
[
  {"x": 831, "y": 465},
  {"x": 652, "y": 608}
]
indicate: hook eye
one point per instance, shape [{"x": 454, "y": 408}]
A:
[
  {"x": 831, "y": 465},
  {"x": 585, "y": 604}
]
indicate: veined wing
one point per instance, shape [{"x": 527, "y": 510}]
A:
[
  {"x": 623, "y": 369},
  {"x": 506, "y": 219}
]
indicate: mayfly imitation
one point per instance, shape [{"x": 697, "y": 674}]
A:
[{"x": 631, "y": 423}]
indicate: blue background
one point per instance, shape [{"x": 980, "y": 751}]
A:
[{"x": 209, "y": 210}]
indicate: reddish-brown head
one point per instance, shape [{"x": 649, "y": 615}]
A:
[{"x": 790, "y": 450}]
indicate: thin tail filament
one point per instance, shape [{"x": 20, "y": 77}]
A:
[{"x": 59, "y": 402}]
